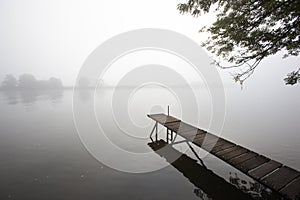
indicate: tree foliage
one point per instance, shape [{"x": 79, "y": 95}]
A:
[
  {"x": 247, "y": 31},
  {"x": 28, "y": 81},
  {"x": 9, "y": 82},
  {"x": 293, "y": 78}
]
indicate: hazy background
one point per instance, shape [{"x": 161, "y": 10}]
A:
[{"x": 52, "y": 38}]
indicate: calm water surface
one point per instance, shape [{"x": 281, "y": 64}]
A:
[{"x": 42, "y": 156}]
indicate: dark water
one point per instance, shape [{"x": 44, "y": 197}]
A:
[{"x": 42, "y": 157}]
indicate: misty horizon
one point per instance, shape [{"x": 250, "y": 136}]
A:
[
  {"x": 79, "y": 80},
  {"x": 10, "y": 82}
]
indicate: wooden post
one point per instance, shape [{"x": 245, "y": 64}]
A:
[
  {"x": 167, "y": 135},
  {"x": 156, "y": 135}
]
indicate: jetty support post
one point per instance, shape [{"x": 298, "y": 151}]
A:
[
  {"x": 168, "y": 129},
  {"x": 155, "y": 128},
  {"x": 167, "y": 136},
  {"x": 156, "y": 131}
]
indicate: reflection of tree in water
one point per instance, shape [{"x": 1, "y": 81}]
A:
[
  {"x": 9, "y": 82},
  {"x": 27, "y": 89},
  {"x": 11, "y": 97},
  {"x": 31, "y": 96}
]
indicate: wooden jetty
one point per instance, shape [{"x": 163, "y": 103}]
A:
[
  {"x": 274, "y": 175},
  {"x": 202, "y": 178}
]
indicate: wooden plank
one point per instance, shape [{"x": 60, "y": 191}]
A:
[
  {"x": 210, "y": 139},
  {"x": 179, "y": 127},
  {"x": 280, "y": 178},
  {"x": 186, "y": 127},
  {"x": 198, "y": 140},
  {"x": 252, "y": 163},
  {"x": 222, "y": 147},
  {"x": 226, "y": 151},
  {"x": 193, "y": 133},
  {"x": 292, "y": 190},
  {"x": 173, "y": 125},
  {"x": 243, "y": 158},
  {"x": 265, "y": 169},
  {"x": 209, "y": 147},
  {"x": 202, "y": 131},
  {"x": 206, "y": 139},
  {"x": 163, "y": 119},
  {"x": 232, "y": 154},
  {"x": 197, "y": 137}
]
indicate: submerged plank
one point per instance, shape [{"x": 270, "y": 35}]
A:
[
  {"x": 280, "y": 178},
  {"x": 265, "y": 169}
]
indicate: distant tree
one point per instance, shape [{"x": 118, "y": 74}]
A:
[
  {"x": 27, "y": 81},
  {"x": 54, "y": 83},
  {"x": 9, "y": 82},
  {"x": 247, "y": 31}
]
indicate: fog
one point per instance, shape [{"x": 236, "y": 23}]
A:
[
  {"x": 53, "y": 38},
  {"x": 44, "y": 44}
]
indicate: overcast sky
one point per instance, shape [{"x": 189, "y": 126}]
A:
[{"x": 54, "y": 37}]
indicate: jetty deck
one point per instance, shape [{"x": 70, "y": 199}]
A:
[{"x": 280, "y": 178}]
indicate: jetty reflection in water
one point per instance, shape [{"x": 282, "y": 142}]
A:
[{"x": 208, "y": 184}]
